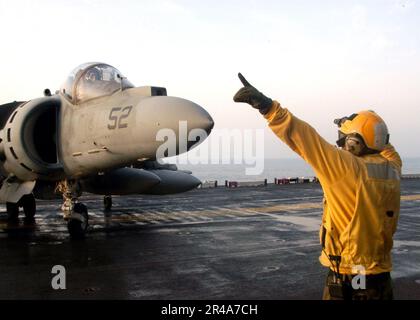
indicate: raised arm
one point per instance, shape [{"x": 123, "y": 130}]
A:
[{"x": 330, "y": 163}]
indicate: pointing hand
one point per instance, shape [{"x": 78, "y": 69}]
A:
[
  {"x": 252, "y": 96},
  {"x": 243, "y": 80}
]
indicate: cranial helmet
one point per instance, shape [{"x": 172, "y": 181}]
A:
[{"x": 368, "y": 125}]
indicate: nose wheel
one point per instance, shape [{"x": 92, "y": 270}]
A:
[
  {"x": 107, "y": 203},
  {"x": 75, "y": 213},
  {"x": 78, "y": 221}
]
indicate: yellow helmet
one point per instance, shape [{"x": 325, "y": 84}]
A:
[{"x": 368, "y": 125}]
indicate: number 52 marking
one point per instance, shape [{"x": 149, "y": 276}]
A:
[{"x": 117, "y": 116}]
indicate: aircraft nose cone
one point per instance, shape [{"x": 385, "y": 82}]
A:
[
  {"x": 172, "y": 109},
  {"x": 169, "y": 112},
  {"x": 158, "y": 115},
  {"x": 194, "y": 115},
  {"x": 200, "y": 119},
  {"x": 207, "y": 124}
]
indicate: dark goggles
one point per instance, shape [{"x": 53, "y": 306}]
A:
[
  {"x": 341, "y": 136},
  {"x": 341, "y": 139}
]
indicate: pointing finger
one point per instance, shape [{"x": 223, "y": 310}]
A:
[{"x": 243, "y": 80}]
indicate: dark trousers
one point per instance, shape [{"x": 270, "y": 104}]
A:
[{"x": 378, "y": 287}]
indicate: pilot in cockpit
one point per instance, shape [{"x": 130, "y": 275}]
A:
[{"x": 93, "y": 75}]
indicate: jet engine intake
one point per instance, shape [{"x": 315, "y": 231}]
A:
[{"x": 28, "y": 141}]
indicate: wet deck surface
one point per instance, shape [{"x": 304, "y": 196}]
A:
[{"x": 245, "y": 243}]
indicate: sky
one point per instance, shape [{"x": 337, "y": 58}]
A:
[{"x": 320, "y": 59}]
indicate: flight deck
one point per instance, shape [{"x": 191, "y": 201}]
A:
[{"x": 216, "y": 243}]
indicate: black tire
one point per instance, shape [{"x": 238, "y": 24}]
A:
[
  {"x": 77, "y": 228},
  {"x": 12, "y": 211},
  {"x": 29, "y": 206},
  {"x": 107, "y": 203}
]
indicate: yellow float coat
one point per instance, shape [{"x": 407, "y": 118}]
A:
[{"x": 361, "y": 196}]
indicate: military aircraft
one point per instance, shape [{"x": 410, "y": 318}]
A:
[{"x": 98, "y": 134}]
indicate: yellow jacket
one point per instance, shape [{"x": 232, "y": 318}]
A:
[{"x": 361, "y": 196}]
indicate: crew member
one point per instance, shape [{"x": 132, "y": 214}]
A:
[{"x": 361, "y": 184}]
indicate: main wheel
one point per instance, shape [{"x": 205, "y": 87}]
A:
[
  {"x": 29, "y": 206},
  {"x": 12, "y": 211},
  {"x": 107, "y": 203},
  {"x": 78, "y": 222}
]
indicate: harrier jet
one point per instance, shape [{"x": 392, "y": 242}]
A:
[{"x": 98, "y": 133}]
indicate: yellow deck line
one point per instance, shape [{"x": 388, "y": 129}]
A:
[{"x": 410, "y": 197}]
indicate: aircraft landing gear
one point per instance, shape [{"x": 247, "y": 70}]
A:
[
  {"x": 27, "y": 202},
  {"x": 78, "y": 222},
  {"x": 29, "y": 206},
  {"x": 107, "y": 203},
  {"x": 75, "y": 213},
  {"x": 12, "y": 211}
]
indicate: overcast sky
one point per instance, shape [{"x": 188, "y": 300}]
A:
[{"x": 320, "y": 59}]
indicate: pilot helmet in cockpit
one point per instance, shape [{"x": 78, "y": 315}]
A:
[{"x": 93, "y": 74}]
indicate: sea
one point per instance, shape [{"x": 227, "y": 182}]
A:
[{"x": 269, "y": 169}]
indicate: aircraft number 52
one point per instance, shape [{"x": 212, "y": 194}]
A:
[{"x": 118, "y": 116}]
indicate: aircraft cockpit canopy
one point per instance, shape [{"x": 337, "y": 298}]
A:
[{"x": 93, "y": 80}]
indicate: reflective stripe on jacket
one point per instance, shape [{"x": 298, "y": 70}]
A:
[{"x": 361, "y": 195}]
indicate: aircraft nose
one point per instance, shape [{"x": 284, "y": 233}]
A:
[
  {"x": 162, "y": 113},
  {"x": 209, "y": 124},
  {"x": 169, "y": 111},
  {"x": 199, "y": 118}
]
